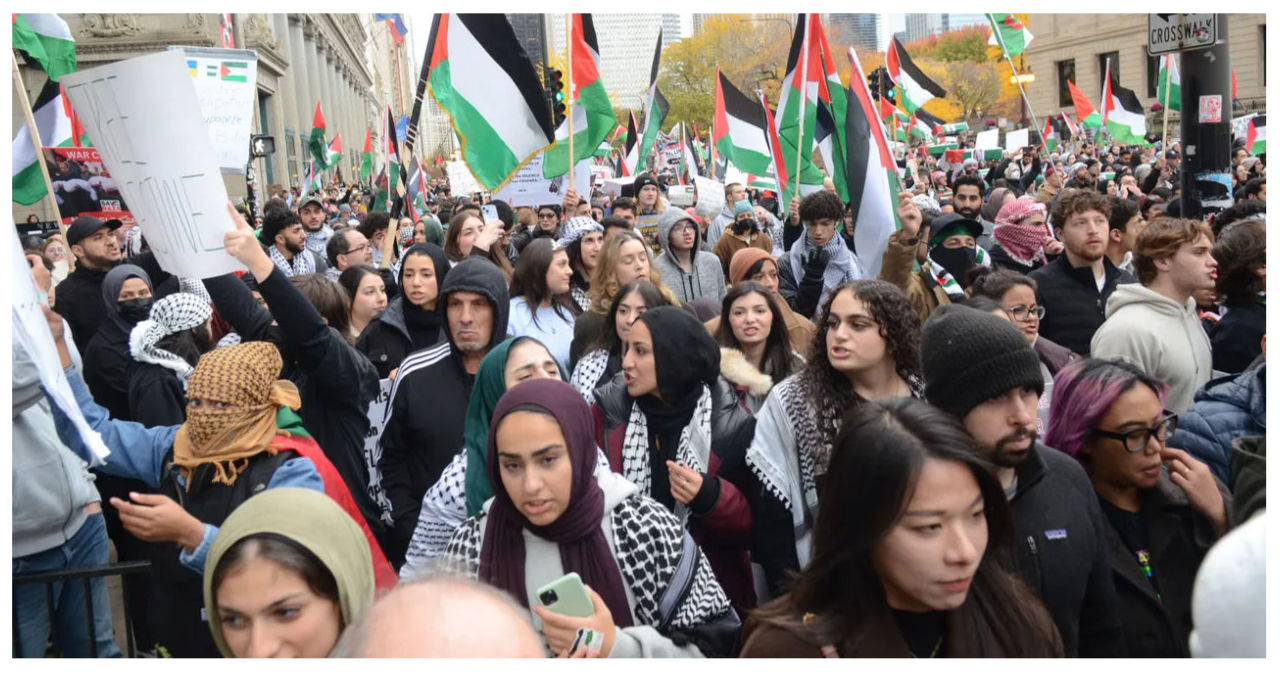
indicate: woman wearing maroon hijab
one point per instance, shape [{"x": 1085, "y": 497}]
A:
[{"x": 552, "y": 513}]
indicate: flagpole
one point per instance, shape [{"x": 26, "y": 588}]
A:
[
  {"x": 568, "y": 25},
  {"x": 32, "y": 129},
  {"x": 711, "y": 136},
  {"x": 804, "y": 95},
  {"x": 1168, "y": 84}
]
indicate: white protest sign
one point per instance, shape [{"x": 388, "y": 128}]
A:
[
  {"x": 31, "y": 330},
  {"x": 710, "y": 197},
  {"x": 529, "y": 188},
  {"x": 613, "y": 186},
  {"x": 1014, "y": 141},
  {"x": 987, "y": 139},
  {"x": 146, "y": 123},
  {"x": 225, "y": 82},
  {"x": 372, "y": 450},
  {"x": 681, "y": 195},
  {"x": 461, "y": 182}
]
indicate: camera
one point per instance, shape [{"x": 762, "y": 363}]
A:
[{"x": 548, "y": 598}]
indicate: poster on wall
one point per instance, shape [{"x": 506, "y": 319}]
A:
[{"x": 83, "y": 186}]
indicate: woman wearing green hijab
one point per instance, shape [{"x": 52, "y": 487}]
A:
[
  {"x": 288, "y": 570},
  {"x": 463, "y": 486}
]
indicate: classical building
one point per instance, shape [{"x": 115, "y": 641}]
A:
[
  {"x": 1076, "y": 47},
  {"x": 346, "y": 61}
]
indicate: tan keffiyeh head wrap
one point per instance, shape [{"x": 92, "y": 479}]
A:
[{"x": 243, "y": 380}]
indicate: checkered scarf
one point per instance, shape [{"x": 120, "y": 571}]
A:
[
  {"x": 170, "y": 314},
  {"x": 694, "y": 450},
  {"x": 302, "y": 262}
]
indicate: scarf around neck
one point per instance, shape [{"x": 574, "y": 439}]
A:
[
  {"x": 693, "y": 449},
  {"x": 940, "y": 276},
  {"x": 841, "y": 268},
  {"x": 170, "y": 315},
  {"x": 300, "y": 265}
]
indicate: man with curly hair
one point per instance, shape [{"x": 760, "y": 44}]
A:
[{"x": 1074, "y": 288}]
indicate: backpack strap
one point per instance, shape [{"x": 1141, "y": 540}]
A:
[{"x": 680, "y": 583}]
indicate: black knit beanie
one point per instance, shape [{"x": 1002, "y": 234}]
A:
[{"x": 970, "y": 357}]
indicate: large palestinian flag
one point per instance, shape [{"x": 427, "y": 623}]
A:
[
  {"x": 798, "y": 106},
  {"x": 1169, "y": 82},
  {"x": 57, "y": 126},
  {"x": 655, "y": 109},
  {"x": 366, "y": 155},
  {"x": 871, "y": 173},
  {"x": 1085, "y": 112},
  {"x": 317, "y": 144},
  {"x": 589, "y": 103},
  {"x": 1122, "y": 112},
  {"x": 1255, "y": 140},
  {"x": 481, "y": 76},
  {"x": 739, "y": 129},
  {"x": 631, "y": 151},
  {"x": 45, "y": 39},
  {"x": 916, "y": 87}
]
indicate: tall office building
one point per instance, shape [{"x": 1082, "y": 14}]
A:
[
  {"x": 954, "y": 21},
  {"x": 921, "y": 26},
  {"x": 859, "y": 30},
  {"x": 531, "y": 31}
]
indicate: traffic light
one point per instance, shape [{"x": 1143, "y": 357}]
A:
[
  {"x": 557, "y": 97},
  {"x": 873, "y": 83}
]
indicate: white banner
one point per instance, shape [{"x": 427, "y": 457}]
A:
[
  {"x": 987, "y": 139},
  {"x": 529, "y": 188},
  {"x": 1015, "y": 141},
  {"x": 710, "y": 197},
  {"x": 225, "y": 82},
  {"x": 461, "y": 182},
  {"x": 145, "y": 120}
]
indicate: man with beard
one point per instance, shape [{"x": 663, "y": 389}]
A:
[
  {"x": 968, "y": 203},
  {"x": 79, "y": 296},
  {"x": 949, "y": 252},
  {"x": 285, "y": 239},
  {"x": 313, "y": 218},
  {"x": 980, "y": 368}
]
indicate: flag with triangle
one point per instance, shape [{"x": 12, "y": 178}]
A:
[
  {"x": 631, "y": 151},
  {"x": 1122, "y": 112},
  {"x": 366, "y": 155},
  {"x": 916, "y": 87},
  {"x": 317, "y": 136},
  {"x": 655, "y": 109},
  {"x": 1009, "y": 34},
  {"x": 393, "y": 158},
  {"x": 871, "y": 173},
  {"x": 797, "y": 114},
  {"x": 593, "y": 117},
  {"x": 739, "y": 129},
  {"x": 1169, "y": 83},
  {"x": 333, "y": 154},
  {"x": 777, "y": 168},
  {"x": 1255, "y": 140},
  {"x": 1085, "y": 112},
  {"x": 1048, "y": 137},
  {"x": 57, "y": 126}
]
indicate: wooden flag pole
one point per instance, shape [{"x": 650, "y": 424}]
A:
[
  {"x": 568, "y": 24},
  {"x": 21, "y": 90}
]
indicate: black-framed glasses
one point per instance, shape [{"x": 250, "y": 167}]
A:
[
  {"x": 1024, "y": 313},
  {"x": 1136, "y": 440}
]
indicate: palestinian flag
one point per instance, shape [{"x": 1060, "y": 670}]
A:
[
  {"x": 1072, "y": 131},
  {"x": 592, "y": 111},
  {"x": 938, "y": 149},
  {"x": 832, "y": 107},
  {"x": 739, "y": 129},
  {"x": 481, "y": 76},
  {"x": 957, "y": 156},
  {"x": 871, "y": 173},
  {"x": 45, "y": 39},
  {"x": 798, "y": 106},
  {"x": 689, "y": 157},
  {"x": 1255, "y": 139},
  {"x": 950, "y": 129},
  {"x": 317, "y": 136},
  {"x": 1122, "y": 112},
  {"x": 381, "y": 197},
  {"x": 1009, "y": 34},
  {"x": 333, "y": 154},
  {"x": 416, "y": 201},
  {"x": 1048, "y": 137},
  {"x": 777, "y": 167},
  {"x": 916, "y": 87},
  {"x": 655, "y": 108},
  {"x": 631, "y": 151},
  {"x": 1169, "y": 83},
  {"x": 310, "y": 181},
  {"x": 920, "y": 129},
  {"x": 233, "y": 71},
  {"x": 57, "y": 126},
  {"x": 393, "y": 157},
  {"x": 1085, "y": 112},
  {"x": 366, "y": 155}
]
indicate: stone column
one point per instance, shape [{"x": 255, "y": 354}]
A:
[
  {"x": 285, "y": 101},
  {"x": 304, "y": 99},
  {"x": 314, "y": 60}
]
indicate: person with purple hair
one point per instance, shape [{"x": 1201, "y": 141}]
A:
[{"x": 1164, "y": 507}]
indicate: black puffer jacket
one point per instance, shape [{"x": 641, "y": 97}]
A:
[
  {"x": 387, "y": 340},
  {"x": 426, "y": 415},
  {"x": 1060, "y": 546},
  {"x": 1074, "y": 309}
]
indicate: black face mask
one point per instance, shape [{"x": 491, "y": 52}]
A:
[
  {"x": 134, "y": 310},
  {"x": 957, "y": 261}
]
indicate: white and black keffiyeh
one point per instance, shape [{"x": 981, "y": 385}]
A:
[
  {"x": 302, "y": 262},
  {"x": 580, "y": 297},
  {"x": 195, "y": 287},
  {"x": 228, "y": 340},
  {"x": 694, "y": 450},
  {"x": 648, "y": 540},
  {"x": 586, "y": 375},
  {"x": 170, "y": 314}
]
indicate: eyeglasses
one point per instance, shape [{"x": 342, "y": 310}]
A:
[
  {"x": 681, "y": 228},
  {"x": 1136, "y": 440},
  {"x": 358, "y": 249},
  {"x": 1024, "y": 313}
]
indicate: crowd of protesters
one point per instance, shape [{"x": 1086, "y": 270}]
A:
[{"x": 1038, "y": 431}]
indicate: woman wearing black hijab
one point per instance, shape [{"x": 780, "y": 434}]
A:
[
  {"x": 673, "y": 426},
  {"x": 412, "y": 320},
  {"x": 126, "y": 290}
]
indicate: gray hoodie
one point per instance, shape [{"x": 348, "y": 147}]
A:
[
  {"x": 51, "y": 486},
  {"x": 1159, "y": 336},
  {"x": 706, "y": 280}
]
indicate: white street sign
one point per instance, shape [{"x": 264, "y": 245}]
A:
[{"x": 1167, "y": 33}]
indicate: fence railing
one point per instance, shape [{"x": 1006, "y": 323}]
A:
[{"x": 85, "y": 576}]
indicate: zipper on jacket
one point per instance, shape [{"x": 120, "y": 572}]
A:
[{"x": 1031, "y": 542}]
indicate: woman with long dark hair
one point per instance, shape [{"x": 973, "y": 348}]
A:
[
  {"x": 670, "y": 424},
  {"x": 553, "y": 512},
  {"x": 582, "y": 238},
  {"x": 413, "y": 319},
  {"x": 468, "y": 235},
  {"x": 905, "y": 560},
  {"x": 1163, "y": 507},
  {"x": 540, "y": 304},
  {"x": 867, "y": 348},
  {"x": 368, "y": 294},
  {"x": 755, "y": 351},
  {"x": 604, "y": 360}
]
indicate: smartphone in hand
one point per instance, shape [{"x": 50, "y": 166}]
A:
[{"x": 568, "y": 596}]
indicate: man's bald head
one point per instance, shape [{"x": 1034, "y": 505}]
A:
[{"x": 442, "y": 617}]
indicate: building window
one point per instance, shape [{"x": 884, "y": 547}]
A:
[
  {"x": 1153, "y": 75},
  {"x": 1103, "y": 59},
  {"x": 1262, "y": 50},
  {"x": 1066, "y": 73}
]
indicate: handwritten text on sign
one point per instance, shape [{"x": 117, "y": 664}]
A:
[{"x": 144, "y": 118}]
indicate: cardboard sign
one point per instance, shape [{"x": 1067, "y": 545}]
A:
[
  {"x": 83, "y": 186},
  {"x": 647, "y": 228},
  {"x": 987, "y": 139},
  {"x": 529, "y": 188},
  {"x": 145, "y": 119},
  {"x": 1014, "y": 141},
  {"x": 226, "y": 81},
  {"x": 613, "y": 186},
  {"x": 710, "y": 197},
  {"x": 681, "y": 195}
]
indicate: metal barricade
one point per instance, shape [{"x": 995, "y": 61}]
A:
[{"x": 85, "y": 575}]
